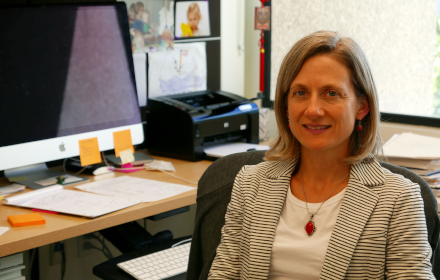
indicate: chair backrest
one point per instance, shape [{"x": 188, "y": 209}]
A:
[{"x": 214, "y": 194}]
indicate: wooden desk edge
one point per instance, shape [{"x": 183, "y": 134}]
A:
[{"x": 106, "y": 221}]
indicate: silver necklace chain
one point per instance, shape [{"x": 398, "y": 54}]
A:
[{"x": 304, "y": 192}]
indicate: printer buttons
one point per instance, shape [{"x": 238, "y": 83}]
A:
[{"x": 226, "y": 125}]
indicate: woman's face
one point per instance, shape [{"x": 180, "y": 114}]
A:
[{"x": 322, "y": 106}]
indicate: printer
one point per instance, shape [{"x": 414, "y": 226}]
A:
[{"x": 181, "y": 125}]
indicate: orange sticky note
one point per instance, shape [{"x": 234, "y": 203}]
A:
[
  {"x": 122, "y": 141},
  {"x": 26, "y": 220},
  {"x": 89, "y": 151}
]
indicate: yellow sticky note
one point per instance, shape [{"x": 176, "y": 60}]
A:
[
  {"x": 122, "y": 141},
  {"x": 126, "y": 156},
  {"x": 186, "y": 30},
  {"x": 26, "y": 220},
  {"x": 89, "y": 151}
]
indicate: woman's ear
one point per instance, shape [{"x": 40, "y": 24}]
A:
[{"x": 363, "y": 110}]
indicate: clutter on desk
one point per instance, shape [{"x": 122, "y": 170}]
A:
[
  {"x": 127, "y": 187},
  {"x": 126, "y": 156},
  {"x": 222, "y": 150},
  {"x": 93, "y": 169},
  {"x": 183, "y": 125},
  {"x": 159, "y": 165},
  {"x": 418, "y": 153},
  {"x": 14, "y": 188},
  {"x": 89, "y": 151},
  {"x": 139, "y": 159},
  {"x": 26, "y": 220},
  {"x": 126, "y": 168},
  {"x": 64, "y": 179},
  {"x": 57, "y": 199}
]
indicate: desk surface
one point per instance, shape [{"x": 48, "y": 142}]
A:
[{"x": 60, "y": 226}]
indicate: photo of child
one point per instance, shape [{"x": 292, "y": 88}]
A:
[
  {"x": 192, "y": 19},
  {"x": 151, "y": 24}
]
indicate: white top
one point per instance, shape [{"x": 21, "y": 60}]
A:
[{"x": 295, "y": 254}]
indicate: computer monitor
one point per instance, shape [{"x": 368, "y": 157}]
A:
[{"x": 66, "y": 74}]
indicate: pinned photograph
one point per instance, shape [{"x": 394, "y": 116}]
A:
[
  {"x": 192, "y": 19},
  {"x": 151, "y": 25}
]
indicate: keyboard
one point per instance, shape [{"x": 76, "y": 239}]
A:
[{"x": 160, "y": 265}]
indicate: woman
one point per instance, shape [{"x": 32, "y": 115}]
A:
[{"x": 321, "y": 206}]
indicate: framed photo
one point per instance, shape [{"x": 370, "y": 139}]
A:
[
  {"x": 192, "y": 19},
  {"x": 151, "y": 25}
]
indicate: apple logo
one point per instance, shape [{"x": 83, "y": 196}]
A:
[{"x": 62, "y": 148}]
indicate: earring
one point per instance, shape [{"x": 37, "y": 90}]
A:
[
  {"x": 359, "y": 126},
  {"x": 288, "y": 126}
]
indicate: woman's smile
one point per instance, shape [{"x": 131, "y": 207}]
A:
[{"x": 316, "y": 128}]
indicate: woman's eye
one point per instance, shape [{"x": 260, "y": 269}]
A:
[
  {"x": 332, "y": 93},
  {"x": 300, "y": 93}
]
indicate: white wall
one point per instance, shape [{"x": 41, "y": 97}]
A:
[
  {"x": 252, "y": 55},
  {"x": 232, "y": 46},
  {"x": 397, "y": 36}
]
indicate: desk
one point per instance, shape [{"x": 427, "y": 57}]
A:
[{"x": 60, "y": 227}]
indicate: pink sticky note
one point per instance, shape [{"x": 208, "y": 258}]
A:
[
  {"x": 44, "y": 211},
  {"x": 128, "y": 165}
]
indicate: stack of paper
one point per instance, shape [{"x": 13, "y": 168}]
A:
[{"x": 418, "y": 153}]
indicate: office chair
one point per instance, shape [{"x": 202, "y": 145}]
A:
[{"x": 214, "y": 194}]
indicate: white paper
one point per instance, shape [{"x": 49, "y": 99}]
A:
[
  {"x": 233, "y": 148},
  {"x": 409, "y": 145},
  {"x": 178, "y": 71},
  {"x": 140, "y": 73},
  {"x": 135, "y": 188},
  {"x": 159, "y": 165},
  {"x": 3, "y": 230},
  {"x": 12, "y": 189},
  {"x": 126, "y": 156},
  {"x": 55, "y": 198}
]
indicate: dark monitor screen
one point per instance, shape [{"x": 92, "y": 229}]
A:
[{"x": 64, "y": 70}]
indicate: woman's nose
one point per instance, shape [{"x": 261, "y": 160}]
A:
[{"x": 314, "y": 108}]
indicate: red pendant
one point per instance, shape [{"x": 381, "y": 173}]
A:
[
  {"x": 310, "y": 227},
  {"x": 359, "y": 128}
]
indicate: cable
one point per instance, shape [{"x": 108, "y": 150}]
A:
[
  {"x": 189, "y": 182},
  {"x": 104, "y": 246},
  {"x": 64, "y": 165},
  {"x": 73, "y": 159},
  {"x": 88, "y": 245},
  {"x": 63, "y": 259},
  {"x": 31, "y": 261},
  {"x": 181, "y": 242}
]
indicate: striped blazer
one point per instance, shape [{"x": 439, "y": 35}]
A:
[{"x": 380, "y": 231}]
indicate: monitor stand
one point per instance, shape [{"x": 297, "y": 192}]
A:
[{"x": 29, "y": 175}]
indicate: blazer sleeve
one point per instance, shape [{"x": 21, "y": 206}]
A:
[
  {"x": 408, "y": 252},
  {"x": 226, "y": 262}
]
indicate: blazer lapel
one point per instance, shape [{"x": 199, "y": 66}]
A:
[
  {"x": 267, "y": 209},
  {"x": 357, "y": 205}
]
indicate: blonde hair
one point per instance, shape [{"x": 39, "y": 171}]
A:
[
  {"x": 348, "y": 52},
  {"x": 194, "y": 8}
]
